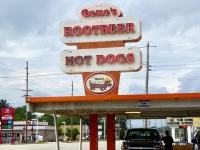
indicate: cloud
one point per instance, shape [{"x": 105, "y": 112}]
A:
[
  {"x": 38, "y": 93},
  {"x": 190, "y": 82},
  {"x": 138, "y": 89}
]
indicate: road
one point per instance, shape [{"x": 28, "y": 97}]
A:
[{"x": 53, "y": 146}]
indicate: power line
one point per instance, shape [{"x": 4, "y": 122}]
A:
[
  {"x": 177, "y": 68},
  {"x": 49, "y": 82},
  {"x": 46, "y": 88},
  {"x": 179, "y": 43},
  {"x": 174, "y": 65},
  {"x": 11, "y": 70},
  {"x": 11, "y": 89},
  {"x": 10, "y": 65}
]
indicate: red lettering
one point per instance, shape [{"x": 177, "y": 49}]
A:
[
  {"x": 120, "y": 58},
  {"x": 112, "y": 28},
  {"x": 95, "y": 27},
  {"x": 99, "y": 13},
  {"x": 77, "y": 30},
  {"x": 103, "y": 29},
  {"x": 99, "y": 29},
  {"x": 106, "y": 12},
  {"x": 130, "y": 58},
  {"x": 92, "y": 13},
  {"x": 79, "y": 60},
  {"x": 129, "y": 27},
  {"x": 68, "y": 31},
  {"x": 121, "y": 28},
  {"x": 110, "y": 58},
  {"x": 114, "y": 11},
  {"x": 69, "y": 61},
  {"x": 87, "y": 30},
  {"x": 100, "y": 59},
  {"x": 87, "y": 59},
  {"x": 85, "y": 13}
]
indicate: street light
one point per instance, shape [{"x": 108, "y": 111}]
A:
[
  {"x": 37, "y": 125},
  {"x": 64, "y": 127}
]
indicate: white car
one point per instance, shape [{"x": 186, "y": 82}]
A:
[{"x": 86, "y": 138}]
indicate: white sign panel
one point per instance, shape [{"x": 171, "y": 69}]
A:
[
  {"x": 120, "y": 29},
  {"x": 143, "y": 103},
  {"x": 125, "y": 59},
  {"x": 179, "y": 121},
  {"x": 6, "y": 118}
]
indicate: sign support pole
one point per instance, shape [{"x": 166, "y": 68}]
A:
[{"x": 116, "y": 75}]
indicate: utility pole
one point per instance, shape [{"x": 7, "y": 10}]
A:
[
  {"x": 27, "y": 90},
  {"x": 71, "y": 116},
  {"x": 147, "y": 78},
  {"x": 147, "y": 69}
]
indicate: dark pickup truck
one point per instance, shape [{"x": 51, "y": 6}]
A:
[{"x": 142, "y": 138}]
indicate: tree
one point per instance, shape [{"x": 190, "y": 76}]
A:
[
  {"x": 85, "y": 121},
  {"x": 20, "y": 114},
  {"x": 68, "y": 132},
  {"x": 121, "y": 133},
  {"x": 122, "y": 121},
  {"x": 60, "y": 131},
  {"x": 75, "y": 132},
  {"x": 48, "y": 118},
  {"x": 4, "y": 104}
]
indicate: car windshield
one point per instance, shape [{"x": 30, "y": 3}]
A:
[{"x": 143, "y": 134}]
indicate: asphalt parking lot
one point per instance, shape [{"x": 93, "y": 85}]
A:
[{"x": 53, "y": 146}]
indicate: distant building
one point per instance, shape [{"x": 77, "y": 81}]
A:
[{"x": 48, "y": 132}]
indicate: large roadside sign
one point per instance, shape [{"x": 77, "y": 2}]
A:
[
  {"x": 7, "y": 118},
  {"x": 6, "y": 121},
  {"x": 179, "y": 121},
  {"x": 101, "y": 23}
]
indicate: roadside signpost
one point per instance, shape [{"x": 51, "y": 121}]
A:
[
  {"x": 179, "y": 121},
  {"x": 7, "y": 117}
]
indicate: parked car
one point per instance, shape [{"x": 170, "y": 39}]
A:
[
  {"x": 60, "y": 138},
  {"x": 142, "y": 138},
  {"x": 5, "y": 140},
  {"x": 101, "y": 136},
  {"x": 183, "y": 139},
  {"x": 86, "y": 138},
  {"x": 196, "y": 141}
]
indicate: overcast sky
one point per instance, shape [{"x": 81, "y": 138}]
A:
[{"x": 30, "y": 31}]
